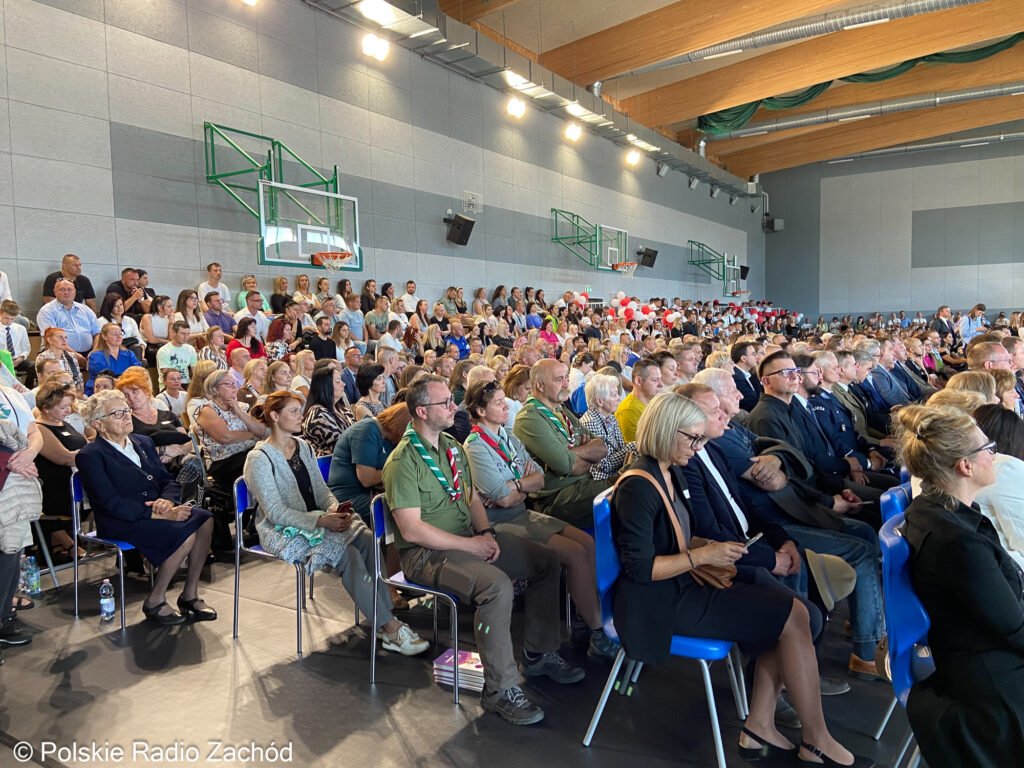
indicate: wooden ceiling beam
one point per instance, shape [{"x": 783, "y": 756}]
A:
[
  {"x": 468, "y": 11},
  {"x": 925, "y": 78},
  {"x": 825, "y": 58},
  {"x": 875, "y": 133},
  {"x": 679, "y": 28}
]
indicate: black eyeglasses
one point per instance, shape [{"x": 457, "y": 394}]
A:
[
  {"x": 446, "y": 403},
  {"x": 787, "y": 372},
  {"x": 696, "y": 441},
  {"x": 989, "y": 446}
]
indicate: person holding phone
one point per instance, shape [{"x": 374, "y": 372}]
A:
[{"x": 298, "y": 518}]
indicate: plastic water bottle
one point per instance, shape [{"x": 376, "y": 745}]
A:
[
  {"x": 107, "y": 605},
  {"x": 23, "y": 579},
  {"x": 33, "y": 582}
]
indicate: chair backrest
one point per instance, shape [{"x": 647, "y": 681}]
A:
[
  {"x": 605, "y": 556},
  {"x": 241, "y": 492},
  {"x": 578, "y": 401},
  {"x": 324, "y": 462},
  {"x": 76, "y": 501},
  {"x": 904, "y": 475},
  {"x": 906, "y": 620},
  {"x": 893, "y": 502}
]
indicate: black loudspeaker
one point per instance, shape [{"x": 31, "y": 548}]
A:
[
  {"x": 744, "y": 271},
  {"x": 647, "y": 256},
  {"x": 459, "y": 229}
]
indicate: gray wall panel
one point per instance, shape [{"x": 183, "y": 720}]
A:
[
  {"x": 163, "y": 20},
  {"x": 223, "y": 40},
  {"x": 147, "y": 198}
]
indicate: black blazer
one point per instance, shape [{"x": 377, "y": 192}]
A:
[
  {"x": 750, "y": 389},
  {"x": 644, "y": 610},
  {"x": 117, "y": 489}
]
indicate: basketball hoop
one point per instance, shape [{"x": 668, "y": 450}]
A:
[
  {"x": 626, "y": 268},
  {"x": 332, "y": 261},
  {"x": 739, "y": 293}
]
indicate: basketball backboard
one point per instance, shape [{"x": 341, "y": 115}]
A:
[{"x": 297, "y": 222}]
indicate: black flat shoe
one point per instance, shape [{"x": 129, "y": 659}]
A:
[
  {"x": 189, "y": 606},
  {"x": 828, "y": 762},
  {"x": 766, "y": 753},
  {"x": 166, "y": 619}
]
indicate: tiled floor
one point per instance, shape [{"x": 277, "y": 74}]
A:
[{"x": 83, "y": 682}]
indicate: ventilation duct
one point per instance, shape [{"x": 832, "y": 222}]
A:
[
  {"x": 807, "y": 28},
  {"x": 906, "y": 149}
]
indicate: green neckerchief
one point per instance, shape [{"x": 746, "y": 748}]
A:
[
  {"x": 454, "y": 494},
  {"x": 565, "y": 427}
]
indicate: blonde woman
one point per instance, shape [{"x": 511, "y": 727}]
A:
[
  {"x": 304, "y": 362},
  {"x": 304, "y": 292},
  {"x": 194, "y": 397},
  {"x": 433, "y": 340},
  {"x": 280, "y": 296}
]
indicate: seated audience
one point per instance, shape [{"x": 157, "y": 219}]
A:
[
  {"x": 155, "y": 326},
  {"x": 603, "y": 395},
  {"x": 112, "y": 311},
  {"x": 55, "y": 347},
  {"x": 971, "y": 710},
  {"x": 504, "y": 476},
  {"x": 1003, "y": 501},
  {"x": 647, "y": 383},
  {"x": 173, "y": 396},
  {"x": 254, "y": 375},
  {"x": 77, "y": 320},
  {"x": 189, "y": 312},
  {"x": 213, "y": 284},
  {"x": 214, "y": 349},
  {"x": 216, "y": 316},
  {"x": 194, "y": 397},
  {"x": 305, "y": 361},
  {"x": 246, "y": 338},
  {"x": 142, "y": 507},
  {"x": 71, "y": 271},
  {"x": 280, "y": 336},
  {"x": 659, "y": 594},
  {"x": 109, "y": 356},
  {"x": 178, "y": 353},
  {"x": 298, "y": 519},
  {"x": 279, "y": 376},
  {"x": 226, "y": 430},
  {"x": 371, "y": 385},
  {"x": 326, "y": 415},
  {"x": 249, "y": 284}
]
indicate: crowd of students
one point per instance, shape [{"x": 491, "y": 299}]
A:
[{"x": 490, "y": 426}]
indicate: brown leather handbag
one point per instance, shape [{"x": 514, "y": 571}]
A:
[{"x": 717, "y": 576}]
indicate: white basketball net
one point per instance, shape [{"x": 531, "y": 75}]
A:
[
  {"x": 627, "y": 269},
  {"x": 335, "y": 262}
]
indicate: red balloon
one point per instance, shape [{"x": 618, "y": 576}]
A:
[
  {"x": 628, "y": 314},
  {"x": 585, "y": 297},
  {"x": 646, "y": 309},
  {"x": 611, "y": 312}
]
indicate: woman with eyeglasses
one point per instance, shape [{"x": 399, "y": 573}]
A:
[
  {"x": 108, "y": 355},
  {"x": 135, "y": 499},
  {"x": 971, "y": 710},
  {"x": 659, "y": 594},
  {"x": 505, "y": 475}
]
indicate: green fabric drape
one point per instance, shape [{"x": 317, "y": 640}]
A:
[{"x": 732, "y": 119}]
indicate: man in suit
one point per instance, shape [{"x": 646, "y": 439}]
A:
[
  {"x": 353, "y": 359},
  {"x": 745, "y": 358},
  {"x": 847, "y": 374},
  {"x": 888, "y": 386},
  {"x": 773, "y": 497},
  {"x": 1015, "y": 346},
  {"x": 912, "y": 364},
  {"x": 943, "y": 322},
  {"x": 917, "y": 389}
]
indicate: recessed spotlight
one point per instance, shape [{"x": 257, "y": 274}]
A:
[
  {"x": 374, "y": 46},
  {"x": 516, "y": 107},
  {"x": 715, "y": 191},
  {"x": 376, "y": 10},
  {"x": 633, "y": 157},
  {"x": 573, "y": 131},
  {"x": 250, "y": 2}
]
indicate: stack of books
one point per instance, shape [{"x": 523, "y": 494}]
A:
[{"x": 471, "y": 670}]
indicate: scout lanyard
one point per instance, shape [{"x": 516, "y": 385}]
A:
[
  {"x": 564, "y": 427},
  {"x": 499, "y": 448},
  {"x": 454, "y": 494}
]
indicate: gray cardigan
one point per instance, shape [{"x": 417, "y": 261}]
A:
[{"x": 273, "y": 487}]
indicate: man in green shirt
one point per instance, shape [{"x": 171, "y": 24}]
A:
[
  {"x": 556, "y": 440},
  {"x": 445, "y": 540}
]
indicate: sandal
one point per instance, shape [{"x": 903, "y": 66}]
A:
[
  {"x": 163, "y": 619},
  {"x": 22, "y": 603},
  {"x": 766, "y": 752},
  {"x": 201, "y": 614},
  {"x": 828, "y": 762}
]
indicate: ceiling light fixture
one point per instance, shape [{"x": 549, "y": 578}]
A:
[
  {"x": 250, "y": 2},
  {"x": 975, "y": 144},
  {"x": 693, "y": 182},
  {"x": 516, "y": 107},
  {"x": 853, "y": 117},
  {"x": 722, "y": 55},
  {"x": 841, "y": 160},
  {"x": 866, "y": 24},
  {"x": 376, "y": 10},
  {"x": 633, "y": 157},
  {"x": 374, "y": 46},
  {"x": 573, "y": 131},
  {"x": 714, "y": 192}
]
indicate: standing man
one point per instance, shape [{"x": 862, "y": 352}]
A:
[
  {"x": 213, "y": 283},
  {"x": 744, "y": 356},
  {"x": 71, "y": 270},
  {"x": 76, "y": 319},
  {"x": 444, "y": 538},
  {"x": 136, "y": 303},
  {"x": 646, "y": 384},
  {"x": 254, "y": 309},
  {"x": 215, "y": 314},
  {"x": 559, "y": 443},
  {"x": 409, "y": 299}
]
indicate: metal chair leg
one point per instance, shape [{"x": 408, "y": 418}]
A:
[
  {"x": 915, "y": 758},
  {"x": 741, "y": 681},
  {"x": 120, "y": 579},
  {"x": 311, "y": 586},
  {"x": 904, "y": 746},
  {"x": 238, "y": 571},
  {"x": 76, "y": 573},
  {"x": 454, "y": 637},
  {"x": 705, "y": 670},
  {"x": 737, "y": 698},
  {"x": 434, "y": 598},
  {"x": 300, "y": 604},
  {"x": 568, "y": 604},
  {"x": 885, "y": 720},
  {"x": 599, "y": 710},
  {"x": 373, "y": 633},
  {"x": 46, "y": 553},
  {"x": 636, "y": 672}
]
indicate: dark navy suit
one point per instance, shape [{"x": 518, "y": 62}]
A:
[
  {"x": 750, "y": 389},
  {"x": 349, "y": 380}
]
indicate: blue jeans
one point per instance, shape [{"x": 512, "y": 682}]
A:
[{"x": 857, "y": 544}]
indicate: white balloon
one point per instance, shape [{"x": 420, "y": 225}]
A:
[
  {"x": 632, "y": 305},
  {"x": 615, "y": 303},
  {"x": 622, "y": 311},
  {"x": 620, "y": 295}
]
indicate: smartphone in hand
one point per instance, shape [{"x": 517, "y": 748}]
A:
[{"x": 753, "y": 540}]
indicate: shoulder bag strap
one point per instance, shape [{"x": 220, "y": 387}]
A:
[{"x": 680, "y": 540}]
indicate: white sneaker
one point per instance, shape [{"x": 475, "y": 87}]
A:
[{"x": 405, "y": 641}]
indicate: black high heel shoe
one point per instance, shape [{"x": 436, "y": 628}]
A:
[
  {"x": 766, "y": 753},
  {"x": 201, "y": 614},
  {"x": 828, "y": 762}
]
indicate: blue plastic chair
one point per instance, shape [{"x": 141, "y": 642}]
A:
[
  {"x": 895, "y": 501},
  {"x": 378, "y": 517},
  {"x": 904, "y": 475},
  {"x": 703, "y": 650},
  {"x": 578, "y": 401},
  {"x": 906, "y": 622},
  {"x": 324, "y": 462},
  {"x": 241, "y": 493},
  {"x": 116, "y": 547}
]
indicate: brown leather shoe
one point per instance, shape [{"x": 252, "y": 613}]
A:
[{"x": 863, "y": 670}]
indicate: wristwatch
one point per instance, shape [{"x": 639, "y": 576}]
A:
[
  {"x": 494, "y": 533},
  {"x": 519, "y": 485}
]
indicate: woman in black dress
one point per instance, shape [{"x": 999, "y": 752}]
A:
[
  {"x": 970, "y": 712},
  {"x": 134, "y": 499},
  {"x": 658, "y": 595},
  {"x": 61, "y": 443}
]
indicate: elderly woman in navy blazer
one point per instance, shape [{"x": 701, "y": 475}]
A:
[{"x": 135, "y": 499}]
